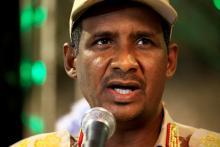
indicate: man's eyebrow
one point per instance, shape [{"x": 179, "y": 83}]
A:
[
  {"x": 103, "y": 34},
  {"x": 143, "y": 33}
]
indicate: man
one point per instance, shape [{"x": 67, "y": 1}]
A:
[{"x": 121, "y": 53}]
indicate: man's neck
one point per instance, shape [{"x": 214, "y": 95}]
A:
[{"x": 143, "y": 134}]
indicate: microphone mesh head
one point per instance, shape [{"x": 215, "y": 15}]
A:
[{"x": 99, "y": 114}]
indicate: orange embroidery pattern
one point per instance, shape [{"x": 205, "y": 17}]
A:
[{"x": 172, "y": 136}]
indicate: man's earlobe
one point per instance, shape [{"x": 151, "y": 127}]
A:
[
  {"x": 172, "y": 60},
  {"x": 72, "y": 73},
  {"x": 69, "y": 60}
]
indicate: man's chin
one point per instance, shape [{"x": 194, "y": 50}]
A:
[{"x": 124, "y": 114}]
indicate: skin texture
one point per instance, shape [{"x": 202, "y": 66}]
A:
[{"x": 123, "y": 65}]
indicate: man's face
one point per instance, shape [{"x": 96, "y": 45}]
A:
[{"x": 123, "y": 62}]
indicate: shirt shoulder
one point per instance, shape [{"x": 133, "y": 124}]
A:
[
  {"x": 206, "y": 138},
  {"x": 54, "y": 139},
  {"x": 195, "y": 137}
]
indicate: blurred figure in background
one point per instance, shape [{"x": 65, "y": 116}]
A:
[{"x": 72, "y": 120}]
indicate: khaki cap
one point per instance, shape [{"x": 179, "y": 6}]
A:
[{"x": 163, "y": 7}]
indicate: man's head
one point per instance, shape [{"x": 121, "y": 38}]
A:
[
  {"x": 166, "y": 11},
  {"x": 123, "y": 62}
]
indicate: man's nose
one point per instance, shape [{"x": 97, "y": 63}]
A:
[{"x": 124, "y": 61}]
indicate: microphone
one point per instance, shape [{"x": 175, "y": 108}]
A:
[{"x": 98, "y": 125}]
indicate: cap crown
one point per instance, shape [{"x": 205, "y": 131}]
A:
[{"x": 162, "y": 7}]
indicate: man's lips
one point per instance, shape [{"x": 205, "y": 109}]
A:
[
  {"x": 132, "y": 85},
  {"x": 123, "y": 91}
]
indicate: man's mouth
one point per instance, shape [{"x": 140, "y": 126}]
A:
[{"x": 124, "y": 88}]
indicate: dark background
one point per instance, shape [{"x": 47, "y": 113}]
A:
[{"x": 10, "y": 91}]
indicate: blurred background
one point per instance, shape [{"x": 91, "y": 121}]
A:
[{"x": 35, "y": 91}]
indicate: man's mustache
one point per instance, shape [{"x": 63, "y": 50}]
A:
[{"x": 124, "y": 76}]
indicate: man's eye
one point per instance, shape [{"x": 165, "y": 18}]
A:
[
  {"x": 103, "y": 41},
  {"x": 144, "y": 41}
]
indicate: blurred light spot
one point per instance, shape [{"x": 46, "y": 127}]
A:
[
  {"x": 25, "y": 73},
  {"x": 26, "y": 16},
  {"x": 36, "y": 124},
  {"x": 40, "y": 16},
  {"x": 217, "y": 4},
  {"x": 39, "y": 72}
]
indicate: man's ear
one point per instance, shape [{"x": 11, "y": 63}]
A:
[
  {"x": 69, "y": 60},
  {"x": 172, "y": 60}
]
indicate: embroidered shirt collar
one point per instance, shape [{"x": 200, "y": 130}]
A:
[{"x": 161, "y": 141}]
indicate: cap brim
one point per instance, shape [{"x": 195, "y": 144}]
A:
[{"x": 162, "y": 7}]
